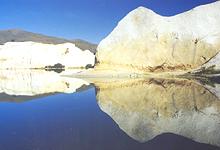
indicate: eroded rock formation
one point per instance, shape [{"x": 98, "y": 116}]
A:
[
  {"x": 144, "y": 41},
  {"x": 147, "y": 108}
]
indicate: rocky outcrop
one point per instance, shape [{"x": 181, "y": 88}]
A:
[
  {"x": 147, "y": 108},
  {"x": 38, "y": 83},
  {"x": 144, "y": 41},
  {"x": 28, "y": 55}
]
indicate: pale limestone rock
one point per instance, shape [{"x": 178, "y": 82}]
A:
[
  {"x": 210, "y": 68},
  {"x": 145, "y": 41},
  {"x": 213, "y": 63},
  {"x": 37, "y": 82},
  {"x": 147, "y": 108},
  {"x": 38, "y": 55}
]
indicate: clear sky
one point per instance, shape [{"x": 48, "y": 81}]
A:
[{"x": 90, "y": 20}]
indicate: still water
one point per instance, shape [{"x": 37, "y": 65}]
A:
[{"x": 42, "y": 110}]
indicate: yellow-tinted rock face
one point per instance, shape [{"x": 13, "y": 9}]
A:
[
  {"x": 144, "y": 41},
  {"x": 147, "y": 108}
]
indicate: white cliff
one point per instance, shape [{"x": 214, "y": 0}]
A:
[
  {"x": 37, "y": 82},
  {"x": 38, "y": 55},
  {"x": 144, "y": 41},
  {"x": 147, "y": 108}
]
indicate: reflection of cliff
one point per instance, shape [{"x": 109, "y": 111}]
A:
[
  {"x": 37, "y": 82},
  {"x": 147, "y": 108}
]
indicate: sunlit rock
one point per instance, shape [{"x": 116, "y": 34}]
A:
[
  {"x": 210, "y": 68},
  {"x": 37, "y": 82},
  {"x": 147, "y": 108},
  {"x": 38, "y": 55},
  {"x": 144, "y": 41}
]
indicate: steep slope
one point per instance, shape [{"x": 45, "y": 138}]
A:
[
  {"x": 16, "y": 35},
  {"x": 144, "y": 41}
]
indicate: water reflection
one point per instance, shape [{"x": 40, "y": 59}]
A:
[
  {"x": 147, "y": 108},
  {"x": 29, "y": 84}
]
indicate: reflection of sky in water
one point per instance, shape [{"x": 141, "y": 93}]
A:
[
  {"x": 59, "y": 122},
  {"x": 75, "y": 121}
]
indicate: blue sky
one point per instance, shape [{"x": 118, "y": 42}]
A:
[{"x": 90, "y": 20}]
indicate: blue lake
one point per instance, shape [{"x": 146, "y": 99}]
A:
[{"x": 84, "y": 120}]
